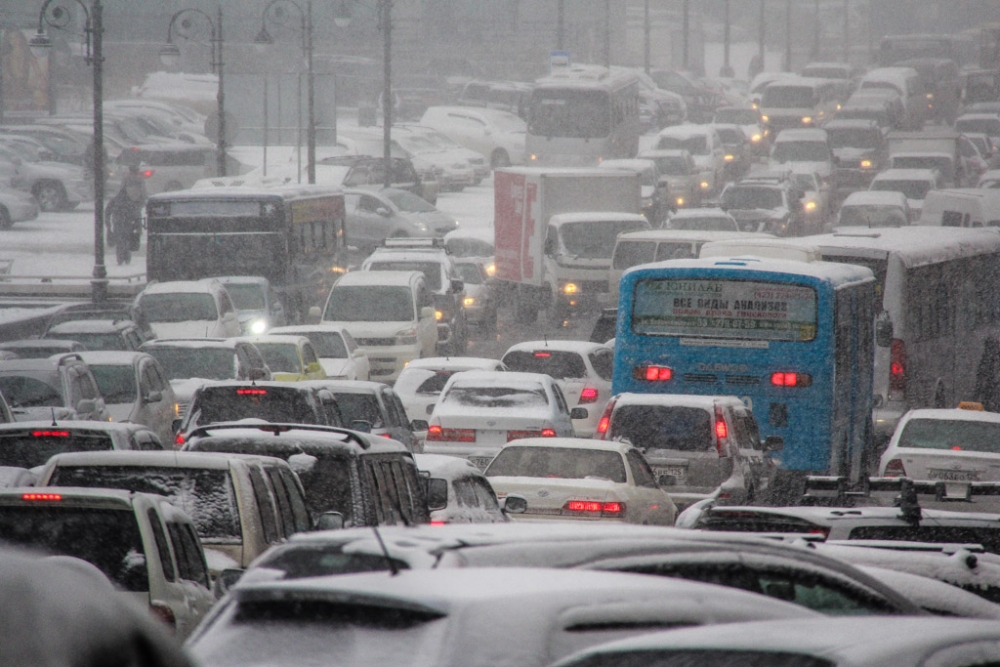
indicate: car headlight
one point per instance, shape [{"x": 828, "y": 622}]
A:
[
  {"x": 764, "y": 118},
  {"x": 533, "y": 157},
  {"x": 438, "y": 315},
  {"x": 756, "y": 138},
  {"x": 866, "y": 164},
  {"x": 469, "y": 301},
  {"x": 680, "y": 201},
  {"x": 704, "y": 185},
  {"x": 806, "y": 120},
  {"x": 810, "y": 205},
  {"x": 570, "y": 288},
  {"x": 258, "y": 326},
  {"x": 728, "y": 158},
  {"x": 491, "y": 270}
]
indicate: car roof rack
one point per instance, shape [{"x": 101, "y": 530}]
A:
[{"x": 277, "y": 429}]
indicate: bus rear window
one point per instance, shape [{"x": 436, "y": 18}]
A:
[{"x": 724, "y": 309}]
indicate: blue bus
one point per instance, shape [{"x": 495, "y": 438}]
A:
[{"x": 794, "y": 340}]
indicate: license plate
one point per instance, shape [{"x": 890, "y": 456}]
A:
[
  {"x": 480, "y": 461},
  {"x": 954, "y": 475},
  {"x": 677, "y": 472}
]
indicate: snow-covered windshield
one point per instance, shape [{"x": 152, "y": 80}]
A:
[
  {"x": 521, "y": 395},
  {"x": 370, "y": 303},
  {"x": 558, "y": 463},
  {"x": 181, "y": 363},
  {"x": 178, "y": 307},
  {"x": 32, "y": 447}
]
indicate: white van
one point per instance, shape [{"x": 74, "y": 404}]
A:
[
  {"x": 961, "y": 207},
  {"x": 905, "y": 81},
  {"x": 798, "y": 102}
]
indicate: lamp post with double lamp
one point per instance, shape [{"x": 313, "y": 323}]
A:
[
  {"x": 275, "y": 9},
  {"x": 56, "y": 14},
  {"x": 170, "y": 55}
]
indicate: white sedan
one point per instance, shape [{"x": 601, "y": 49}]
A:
[
  {"x": 953, "y": 445},
  {"x": 338, "y": 353},
  {"x": 570, "y": 478},
  {"x": 419, "y": 385}
]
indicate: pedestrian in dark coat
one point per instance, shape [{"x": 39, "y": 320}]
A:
[{"x": 123, "y": 216}]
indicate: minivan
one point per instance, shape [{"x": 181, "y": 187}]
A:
[{"x": 961, "y": 207}]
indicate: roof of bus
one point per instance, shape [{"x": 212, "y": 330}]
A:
[
  {"x": 832, "y": 272},
  {"x": 690, "y": 235},
  {"x": 245, "y": 192},
  {"x": 587, "y": 76},
  {"x": 914, "y": 245}
]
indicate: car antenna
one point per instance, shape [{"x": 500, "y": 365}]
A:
[
  {"x": 546, "y": 337},
  {"x": 385, "y": 552},
  {"x": 53, "y": 416}
]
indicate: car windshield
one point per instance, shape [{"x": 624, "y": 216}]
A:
[
  {"x": 370, "y": 303},
  {"x": 951, "y": 435},
  {"x": 705, "y": 223},
  {"x": 850, "y": 137},
  {"x": 916, "y": 189},
  {"x": 117, "y": 383},
  {"x": 97, "y": 341},
  {"x": 522, "y": 395},
  {"x": 247, "y": 296},
  {"x": 555, "y": 363},
  {"x": 359, "y": 407},
  {"x": 469, "y": 274},
  {"x": 182, "y": 363},
  {"x": 788, "y": 97},
  {"x": 22, "y": 391},
  {"x": 673, "y": 166},
  {"x": 872, "y": 216},
  {"x": 744, "y": 197},
  {"x": 206, "y": 495},
  {"x": 800, "y": 151},
  {"x": 596, "y": 240},
  {"x": 652, "y": 427},
  {"x": 281, "y": 357},
  {"x": 431, "y": 270},
  {"x": 736, "y": 116},
  {"x": 178, "y": 307},
  {"x": 696, "y": 145},
  {"x": 558, "y": 463},
  {"x": 107, "y": 538},
  {"x": 409, "y": 202},
  {"x": 328, "y": 344},
  {"x": 275, "y": 404},
  {"x": 29, "y": 448}
]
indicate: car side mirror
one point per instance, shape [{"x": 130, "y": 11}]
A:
[
  {"x": 258, "y": 374},
  {"x": 437, "y": 494},
  {"x": 514, "y": 504},
  {"x": 86, "y": 405},
  {"x": 427, "y": 312},
  {"x": 153, "y": 397},
  {"x": 578, "y": 413},
  {"x": 418, "y": 425},
  {"x": 883, "y": 332},
  {"x": 457, "y": 286},
  {"x": 175, "y": 425},
  {"x": 774, "y": 443},
  {"x": 361, "y": 425},
  {"x": 329, "y": 521},
  {"x": 226, "y": 580}
]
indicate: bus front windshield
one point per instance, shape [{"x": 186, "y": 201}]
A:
[
  {"x": 571, "y": 114},
  {"x": 723, "y": 308},
  {"x": 595, "y": 240}
]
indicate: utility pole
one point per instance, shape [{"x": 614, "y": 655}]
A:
[
  {"x": 727, "y": 69},
  {"x": 560, "y": 25},
  {"x": 645, "y": 24},
  {"x": 607, "y": 33},
  {"x": 788, "y": 36},
  {"x": 686, "y": 28}
]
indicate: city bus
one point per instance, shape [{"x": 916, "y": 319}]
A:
[
  {"x": 792, "y": 339},
  {"x": 292, "y": 235},
  {"x": 581, "y": 115}
]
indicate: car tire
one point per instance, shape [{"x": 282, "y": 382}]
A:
[
  {"x": 51, "y": 195},
  {"x": 499, "y": 158},
  {"x": 5, "y": 221}
]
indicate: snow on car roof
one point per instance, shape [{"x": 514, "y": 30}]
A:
[
  {"x": 953, "y": 414},
  {"x": 154, "y": 459},
  {"x": 686, "y": 130},
  {"x": 801, "y": 134},
  {"x": 454, "y": 363},
  {"x": 111, "y": 358},
  {"x": 579, "y": 346},
  {"x": 573, "y": 443},
  {"x": 345, "y": 386},
  {"x": 501, "y": 379},
  {"x": 193, "y": 343},
  {"x": 875, "y": 198},
  {"x": 90, "y": 326},
  {"x": 389, "y": 278},
  {"x": 932, "y": 594},
  {"x": 207, "y": 286}
]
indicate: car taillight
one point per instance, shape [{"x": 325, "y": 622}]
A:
[
  {"x": 897, "y": 365},
  {"x": 146, "y": 173},
  {"x": 179, "y": 440},
  {"x": 588, "y": 395},
  {"x": 594, "y": 508},
  {"x": 788, "y": 379},
  {"x": 894, "y": 468},
  {"x": 653, "y": 373},
  {"x": 518, "y": 435},
  {"x": 163, "y": 612},
  {"x": 548, "y": 433},
  {"x": 542, "y": 355},
  {"x": 48, "y": 497},
  {"x": 605, "y": 422},
  {"x": 439, "y": 523},
  {"x": 437, "y": 434},
  {"x": 50, "y": 434},
  {"x": 251, "y": 392},
  {"x": 721, "y": 432}
]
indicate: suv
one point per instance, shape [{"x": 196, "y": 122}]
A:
[
  {"x": 860, "y": 151},
  {"x": 371, "y": 407},
  {"x": 698, "y": 446},
  {"x": 766, "y": 205},
  {"x": 390, "y": 314},
  {"x": 111, "y": 335},
  {"x": 144, "y": 545},
  {"x": 431, "y": 258},
  {"x": 351, "y": 479},
  {"x": 240, "y": 505},
  {"x": 58, "y": 387}
]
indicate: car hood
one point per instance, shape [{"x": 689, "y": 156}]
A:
[
  {"x": 335, "y": 367},
  {"x": 188, "y": 329},
  {"x": 373, "y": 329}
]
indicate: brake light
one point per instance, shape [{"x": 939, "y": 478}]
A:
[
  {"x": 594, "y": 508},
  {"x": 517, "y": 435},
  {"x": 897, "y": 365},
  {"x": 787, "y": 379},
  {"x": 605, "y": 422},
  {"x": 588, "y": 395},
  {"x": 163, "y": 612},
  {"x": 146, "y": 173},
  {"x": 894, "y": 468},
  {"x": 50, "y": 434},
  {"x": 720, "y": 429},
  {"x": 613, "y": 508},
  {"x": 438, "y": 434},
  {"x": 548, "y": 433},
  {"x": 542, "y": 355},
  {"x": 653, "y": 373},
  {"x": 50, "y": 497},
  {"x": 179, "y": 439},
  {"x": 438, "y": 523},
  {"x": 721, "y": 432},
  {"x": 251, "y": 392}
]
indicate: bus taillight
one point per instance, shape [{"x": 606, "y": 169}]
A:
[
  {"x": 653, "y": 373},
  {"x": 786, "y": 379},
  {"x": 721, "y": 432},
  {"x": 897, "y": 365}
]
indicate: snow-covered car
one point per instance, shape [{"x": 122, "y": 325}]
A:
[
  {"x": 419, "y": 385},
  {"x": 258, "y": 306},
  {"x": 803, "y": 150},
  {"x": 338, "y": 352},
  {"x": 748, "y": 119},
  {"x": 935, "y": 596},
  {"x": 951, "y": 445},
  {"x": 457, "y": 491},
  {"x": 16, "y": 206},
  {"x": 481, "y": 411},
  {"x": 579, "y": 479},
  {"x": 679, "y": 173},
  {"x": 705, "y": 146},
  {"x": 370, "y": 407},
  {"x": 860, "y": 149},
  {"x": 291, "y": 358},
  {"x": 703, "y": 220},
  {"x": 581, "y": 369},
  {"x": 135, "y": 389},
  {"x": 58, "y": 186},
  {"x": 874, "y": 209},
  {"x": 56, "y": 387},
  {"x": 452, "y": 162},
  {"x": 375, "y": 216},
  {"x": 189, "y": 309},
  {"x": 497, "y": 135},
  {"x": 467, "y": 617},
  {"x": 913, "y": 183},
  {"x": 108, "y": 335},
  {"x": 29, "y": 444}
]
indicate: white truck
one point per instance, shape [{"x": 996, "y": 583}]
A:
[{"x": 555, "y": 234}]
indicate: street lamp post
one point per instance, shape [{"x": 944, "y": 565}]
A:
[
  {"x": 55, "y": 14},
  {"x": 170, "y": 55},
  {"x": 264, "y": 38}
]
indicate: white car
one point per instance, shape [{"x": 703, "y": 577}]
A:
[
  {"x": 481, "y": 411},
  {"x": 705, "y": 146},
  {"x": 874, "y": 209},
  {"x": 419, "y": 385},
  {"x": 338, "y": 352},
  {"x": 577, "y": 479},
  {"x": 703, "y": 220},
  {"x": 389, "y": 313},
  {"x": 189, "y": 309},
  {"x": 581, "y": 369},
  {"x": 913, "y": 183},
  {"x": 496, "y": 134},
  {"x": 803, "y": 150},
  {"x": 136, "y": 389},
  {"x": 953, "y": 445},
  {"x": 457, "y": 491}
]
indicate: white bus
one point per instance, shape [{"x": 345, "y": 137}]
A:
[
  {"x": 938, "y": 292},
  {"x": 581, "y": 115}
]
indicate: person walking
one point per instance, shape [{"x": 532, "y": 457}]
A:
[{"x": 123, "y": 216}]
